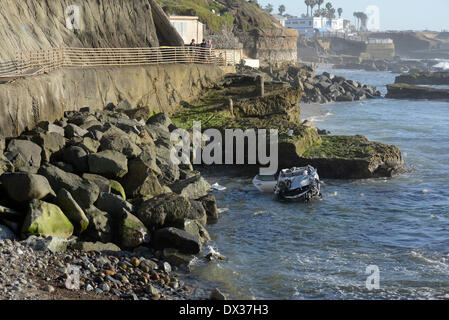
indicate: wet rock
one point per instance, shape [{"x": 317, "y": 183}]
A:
[
  {"x": 198, "y": 213},
  {"x": 176, "y": 258},
  {"x": 72, "y": 210},
  {"x": 23, "y": 187},
  {"x": 216, "y": 294},
  {"x": 210, "y": 205},
  {"x": 176, "y": 239},
  {"x": 83, "y": 191},
  {"x": 110, "y": 164},
  {"x": 46, "y": 219},
  {"x": 24, "y": 154}
]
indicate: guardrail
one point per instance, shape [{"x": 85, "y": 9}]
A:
[{"x": 33, "y": 63}]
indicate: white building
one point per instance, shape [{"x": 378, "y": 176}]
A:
[
  {"x": 188, "y": 27},
  {"x": 308, "y": 25},
  {"x": 282, "y": 20}
]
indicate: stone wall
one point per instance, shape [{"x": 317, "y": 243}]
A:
[{"x": 26, "y": 102}]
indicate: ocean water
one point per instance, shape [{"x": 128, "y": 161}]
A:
[{"x": 321, "y": 250}]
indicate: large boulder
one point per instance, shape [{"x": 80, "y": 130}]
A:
[
  {"x": 73, "y": 131},
  {"x": 51, "y": 128},
  {"x": 100, "y": 226},
  {"x": 141, "y": 181},
  {"x": 50, "y": 143},
  {"x": 23, "y": 187},
  {"x": 77, "y": 157},
  {"x": 176, "y": 239},
  {"x": 111, "y": 164},
  {"x": 210, "y": 205},
  {"x": 53, "y": 244},
  {"x": 120, "y": 143},
  {"x": 133, "y": 232},
  {"x": 102, "y": 183},
  {"x": 113, "y": 204},
  {"x": 24, "y": 154},
  {"x": 83, "y": 191},
  {"x": 176, "y": 258},
  {"x": 72, "y": 210},
  {"x": 164, "y": 210},
  {"x": 192, "y": 188},
  {"x": 46, "y": 219}
]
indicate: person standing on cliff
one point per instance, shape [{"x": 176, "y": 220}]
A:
[
  {"x": 209, "y": 50},
  {"x": 192, "y": 46}
]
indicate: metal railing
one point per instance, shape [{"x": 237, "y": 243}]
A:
[{"x": 38, "y": 62}]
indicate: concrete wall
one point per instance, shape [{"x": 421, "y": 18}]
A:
[{"x": 26, "y": 102}]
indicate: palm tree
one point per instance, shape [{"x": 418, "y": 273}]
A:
[
  {"x": 312, "y": 5},
  {"x": 307, "y": 2},
  {"x": 364, "y": 19},
  {"x": 268, "y": 8},
  {"x": 356, "y": 16},
  {"x": 319, "y": 3},
  {"x": 281, "y": 9},
  {"x": 340, "y": 12}
]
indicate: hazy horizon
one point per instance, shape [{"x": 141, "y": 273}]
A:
[{"x": 410, "y": 17}]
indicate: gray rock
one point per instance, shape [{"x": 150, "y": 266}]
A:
[
  {"x": 176, "y": 258},
  {"x": 210, "y": 205},
  {"x": 133, "y": 232},
  {"x": 100, "y": 226},
  {"x": 72, "y": 210},
  {"x": 141, "y": 181},
  {"x": 160, "y": 119},
  {"x": 103, "y": 184},
  {"x": 192, "y": 188},
  {"x": 111, "y": 164},
  {"x": 176, "y": 239},
  {"x": 83, "y": 191},
  {"x": 120, "y": 143},
  {"x": 114, "y": 205},
  {"x": 23, "y": 153},
  {"x": 50, "y": 142},
  {"x": 95, "y": 246},
  {"x": 77, "y": 157},
  {"x": 52, "y": 244},
  {"x": 23, "y": 187},
  {"x": 164, "y": 211},
  {"x": 72, "y": 130},
  {"x": 51, "y": 128}
]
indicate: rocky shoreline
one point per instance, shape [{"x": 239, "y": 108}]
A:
[
  {"x": 317, "y": 88},
  {"x": 97, "y": 191}
]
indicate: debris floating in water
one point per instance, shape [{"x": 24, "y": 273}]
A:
[
  {"x": 217, "y": 187},
  {"x": 259, "y": 213},
  {"x": 222, "y": 210},
  {"x": 425, "y": 191}
]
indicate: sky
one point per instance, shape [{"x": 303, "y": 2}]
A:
[{"x": 394, "y": 14}]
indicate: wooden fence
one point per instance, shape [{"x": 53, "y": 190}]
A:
[{"x": 33, "y": 63}]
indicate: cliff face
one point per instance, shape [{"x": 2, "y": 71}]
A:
[
  {"x": 26, "y": 102},
  {"x": 33, "y": 25}
]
